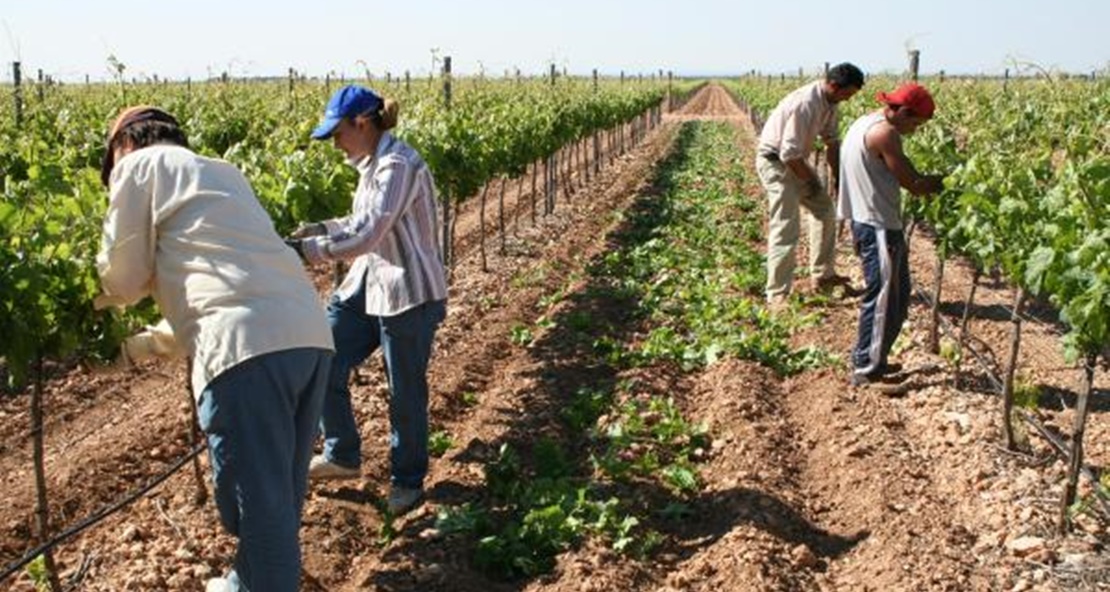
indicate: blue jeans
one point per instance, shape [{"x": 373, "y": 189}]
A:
[
  {"x": 406, "y": 342},
  {"x": 886, "y": 299},
  {"x": 260, "y": 418}
]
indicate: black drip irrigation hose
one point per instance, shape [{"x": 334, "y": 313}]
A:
[
  {"x": 1059, "y": 447},
  {"x": 101, "y": 515}
]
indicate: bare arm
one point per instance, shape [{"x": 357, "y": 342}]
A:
[{"x": 887, "y": 143}]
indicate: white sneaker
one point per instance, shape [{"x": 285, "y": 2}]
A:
[
  {"x": 218, "y": 585},
  {"x": 403, "y": 499},
  {"x": 321, "y": 468}
]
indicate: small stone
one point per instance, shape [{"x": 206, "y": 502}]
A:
[
  {"x": 1044, "y": 556},
  {"x": 802, "y": 557},
  {"x": 1026, "y": 545},
  {"x": 130, "y": 534},
  {"x": 152, "y": 581},
  {"x": 429, "y": 573}
]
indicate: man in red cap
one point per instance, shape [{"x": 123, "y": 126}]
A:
[{"x": 873, "y": 170}]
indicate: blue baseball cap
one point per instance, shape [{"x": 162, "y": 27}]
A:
[{"x": 348, "y": 101}]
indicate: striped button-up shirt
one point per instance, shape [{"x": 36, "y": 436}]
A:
[
  {"x": 797, "y": 121},
  {"x": 390, "y": 233}
]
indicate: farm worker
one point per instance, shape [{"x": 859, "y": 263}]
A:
[
  {"x": 785, "y": 144},
  {"x": 873, "y": 167},
  {"x": 394, "y": 296},
  {"x": 189, "y": 231}
]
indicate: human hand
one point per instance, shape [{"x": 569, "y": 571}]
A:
[
  {"x": 934, "y": 183},
  {"x": 308, "y": 229}
]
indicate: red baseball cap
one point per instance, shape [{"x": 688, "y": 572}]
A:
[{"x": 911, "y": 96}]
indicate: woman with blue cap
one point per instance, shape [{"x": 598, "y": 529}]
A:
[{"x": 394, "y": 296}]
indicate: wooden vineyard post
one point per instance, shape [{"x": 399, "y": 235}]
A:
[
  {"x": 42, "y": 507},
  {"x": 551, "y": 167},
  {"x": 597, "y": 138},
  {"x": 549, "y": 183},
  {"x": 568, "y": 169},
  {"x": 934, "y": 326},
  {"x": 519, "y": 196},
  {"x": 501, "y": 211},
  {"x": 915, "y": 63},
  {"x": 535, "y": 169},
  {"x": 587, "y": 168},
  {"x": 670, "y": 91},
  {"x": 201, "y": 495},
  {"x": 1011, "y": 367},
  {"x": 963, "y": 322},
  {"x": 17, "y": 93},
  {"x": 482, "y": 226},
  {"x": 408, "y": 81},
  {"x": 1075, "y": 456},
  {"x": 40, "y": 87},
  {"x": 448, "y": 259}
]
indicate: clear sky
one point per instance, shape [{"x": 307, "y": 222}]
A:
[{"x": 71, "y": 38}]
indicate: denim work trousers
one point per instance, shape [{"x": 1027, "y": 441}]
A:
[
  {"x": 260, "y": 418},
  {"x": 886, "y": 299},
  {"x": 406, "y": 342},
  {"x": 786, "y": 194}
]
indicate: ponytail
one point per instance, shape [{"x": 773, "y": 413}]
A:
[{"x": 387, "y": 116}]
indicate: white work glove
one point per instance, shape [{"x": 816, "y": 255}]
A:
[{"x": 153, "y": 341}]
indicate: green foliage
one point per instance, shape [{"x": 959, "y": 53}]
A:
[
  {"x": 689, "y": 260},
  {"x": 1027, "y": 395},
  {"x": 51, "y": 201},
  {"x": 439, "y": 442},
  {"x": 648, "y": 438},
  {"x": 521, "y": 335},
  {"x": 36, "y": 571}
]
